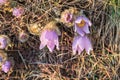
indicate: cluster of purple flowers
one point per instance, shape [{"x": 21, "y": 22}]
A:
[
  {"x": 49, "y": 36},
  {"x": 80, "y": 42}
]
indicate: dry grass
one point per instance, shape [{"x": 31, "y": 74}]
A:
[{"x": 33, "y": 64}]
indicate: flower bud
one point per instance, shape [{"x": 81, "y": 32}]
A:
[
  {"x": 23, "y": 37},
  {"x": 18, "y": 11},
  {"x": 34, "y": 29},
  {"x": 4, "y": 41}
]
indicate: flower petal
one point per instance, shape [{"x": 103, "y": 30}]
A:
[
  {"x": 88, "y": 45},
  {"x": 87, "y": 20},
  {"x": 43, "y": 40},
  {"x": 42, "y": 45},
  {"x": 51, "y": 35},
  {"x": 79, "y": 51},
  {"x": 81, "y": 43},
  {"x": 79, "y": 30},
  {"x": 74, "y": 45},
  {"x": 86, "y": 29},
  {"x": 50, "y": 45},
  {"x": 79, "y": 19}
]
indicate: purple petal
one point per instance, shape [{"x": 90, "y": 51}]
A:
[
  {"x": 43, "y": 40},
  {"x": 79, "y": 19},
  {"x": 6, "y": 66},
  {"x": 75, "y": 45},
  {"x": 51, "y": 35},
  {"x": 79, "y": 30},
  {"x": 86, "y": 29},
  {"x": 87, "y": 20},
  {"x": 88, "y": 45},
  {"x": 42, "y": 45},
  {"x": 49, "y": 38},
  {"x": 51, "y": 45},
  {"x": 79, "y": 51},
  {"x": 81, "y": 43}
]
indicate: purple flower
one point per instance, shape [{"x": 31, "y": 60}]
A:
[
  {"x": 2, "y": 2},
  {"x": 49, "y": 38},
  {"x": 82, "y": 24},
  {"x": 3, "y": 42},
  {"x": 18, "y": 11},
  {"x": 6, "y": 66},
  {"x": 80, "y": 43}
]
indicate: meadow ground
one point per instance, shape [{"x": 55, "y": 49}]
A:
[{"x": 30, "y": 63}]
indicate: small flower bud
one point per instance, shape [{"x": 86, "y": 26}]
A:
[
  {"x": 17, "y": 12},
  {"x": 4, "y": 41},
  {"x": 34, "y": 29},
  {"x": 23, "y": 37}
]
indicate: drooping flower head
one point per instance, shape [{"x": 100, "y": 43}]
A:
[
  {"x": 3, "y": 2},
  {"x": 23, "y": 37},
  {"x": 4, "y": 41},
  {"x": 82, "y": 24},
  {"x": 6, "y": 66},
  {"x": 80, "y": 43},
  {"x": 49, "y": 36},
  {"x": 18, "y": 11}
]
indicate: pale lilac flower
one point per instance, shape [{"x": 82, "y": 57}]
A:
[
  {"x": 6, "y": 66},
  {"x": 80, "y": 43},
  {"x": 49, "y": 38},
  {"x": 82, "y": 24},
  {"x": 2, "y": 2},
  {"x": 18, "y": 11},
  {"x": 3, "y": 42}
]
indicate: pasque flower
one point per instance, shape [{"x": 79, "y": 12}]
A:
[
  {"x": 49, "y": 36},
  {"x": 6, "y": 66},
  {"x": 82, "y": 24},
  {"x": 80, "y": 43},
  {"x": 4, "y": 41},
  {"x": 18, "y": 11}
]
